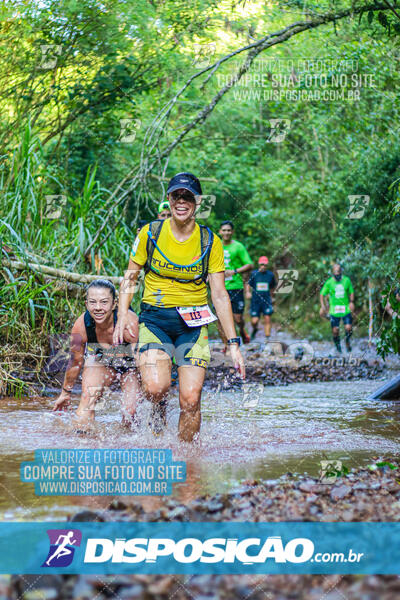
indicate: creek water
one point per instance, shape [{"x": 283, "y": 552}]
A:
[{"x": 287, "y": 428}]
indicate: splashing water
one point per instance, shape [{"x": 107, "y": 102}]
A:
[{"x": 262, "y": 435}]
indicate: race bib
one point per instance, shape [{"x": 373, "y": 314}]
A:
[
  {"x": 228, "y": 277},
  {"x": 196, "y": 316},
  {"x": 340, "y": 309},
  {"x": 262, "y": 287}
]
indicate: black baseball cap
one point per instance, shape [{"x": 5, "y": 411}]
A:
[{"x": 185, "y": 181}]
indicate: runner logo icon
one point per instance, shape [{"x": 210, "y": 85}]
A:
[{"x": 62, "y": 547}]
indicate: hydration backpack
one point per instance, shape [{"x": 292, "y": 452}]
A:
[{"x": 206, "y": 242}]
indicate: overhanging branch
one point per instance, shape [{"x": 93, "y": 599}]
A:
[{"x": 151, "y": 155}]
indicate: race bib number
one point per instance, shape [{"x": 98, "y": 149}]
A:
[
  {"x": 262, "y": 287},
  {"x": 196, "y": 316},
  {"x": 340, "y": 310}
]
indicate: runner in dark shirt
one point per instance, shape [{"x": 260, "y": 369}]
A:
[{"x": 259, "y": 288}]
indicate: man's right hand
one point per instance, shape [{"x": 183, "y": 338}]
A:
[
  {"x": 322, "y": 312},
  {"x": 63, "y": 401}
]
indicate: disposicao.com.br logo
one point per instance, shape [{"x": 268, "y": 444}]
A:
[
  {"x": 62, "y": 547},
  {"x": 212, "y": 550}
]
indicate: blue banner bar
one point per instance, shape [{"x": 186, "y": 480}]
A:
[{"x": 120, "y": 547}]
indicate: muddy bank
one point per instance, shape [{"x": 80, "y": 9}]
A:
[{"x": 364, "y": 494}]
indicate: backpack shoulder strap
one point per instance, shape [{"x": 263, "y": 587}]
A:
[
  {"x": 207, "y": 239},
  {"x": 90, "y": 327},
  {"x": 155, "y": 230}
]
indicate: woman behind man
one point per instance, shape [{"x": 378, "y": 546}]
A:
[{"x": 91, "y": 348}]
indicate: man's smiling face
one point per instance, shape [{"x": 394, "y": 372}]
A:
[{"x": 226, "y": 232}]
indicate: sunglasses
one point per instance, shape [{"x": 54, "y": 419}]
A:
[{"x": 186, "y": 195}]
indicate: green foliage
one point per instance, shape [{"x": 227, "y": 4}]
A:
[
  {"x": 23, "y": 298},
  {"x": 381, "y": 465},
  {"x": 389, "y": 340},
  {"x": 60, "y": 132}
]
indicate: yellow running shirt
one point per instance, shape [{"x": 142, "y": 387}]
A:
[{"x": 167, "y": 293}]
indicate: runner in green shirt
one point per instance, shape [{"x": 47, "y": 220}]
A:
[
  {"x": 163, "y": 211},
  {"x": 341, "y": 304},
  {"x": 237, "y": 263}
]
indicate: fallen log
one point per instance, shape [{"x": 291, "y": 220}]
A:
[{"x": 57, "y": 273}]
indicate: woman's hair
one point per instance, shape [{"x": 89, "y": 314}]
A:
[{"x": 102, "y": 283}]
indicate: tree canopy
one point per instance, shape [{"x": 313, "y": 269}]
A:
[{"x": 287, "y": 111}]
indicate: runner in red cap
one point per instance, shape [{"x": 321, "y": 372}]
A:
[{"x": 259, "y": 288}]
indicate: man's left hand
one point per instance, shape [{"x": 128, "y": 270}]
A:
[{"x": 351, "y": 306}]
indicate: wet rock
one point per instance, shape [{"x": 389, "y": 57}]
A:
[
  {"x": 109, "y": 583},
  {"x": 339, "y": 492},
  {"x": 33, "y": 587},
  {"x": 241, "y": 490},
  {"x": 213, "y": 507},
  {"x": 334, "y": 595},
  {"x": 311, "y": 498},
  {"x": 88, "y": 515},
  {"x": 5, "y": 590},
  {"x": 41, "y": 594},
  {"x": 178, "y": 513},
  {"x": 243, "y": 505},
  {"x": 82, "y": 590},
  {"x": 118, "y": 504},
  {"x": 163, "y": 586},
  {"x": 360, "y": 486},
  {"x": 392, "y": 488},
  {"x": 307, "y": 486},
  {"x": 138, "y": 510},
  {"x": 132, "y": 592}
]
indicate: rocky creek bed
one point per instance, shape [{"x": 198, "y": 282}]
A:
[
  {"x": 364, "y": 494},
  {"x": 282, "y": 369},
  {"x": 274, "y": 363}
]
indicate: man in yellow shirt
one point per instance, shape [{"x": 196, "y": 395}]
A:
[{"x": 177, "y": 255}]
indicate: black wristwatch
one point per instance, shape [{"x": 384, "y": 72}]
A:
[
  {"x": 235, "y": 340},
  {"x": 235, "y": 271}
]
